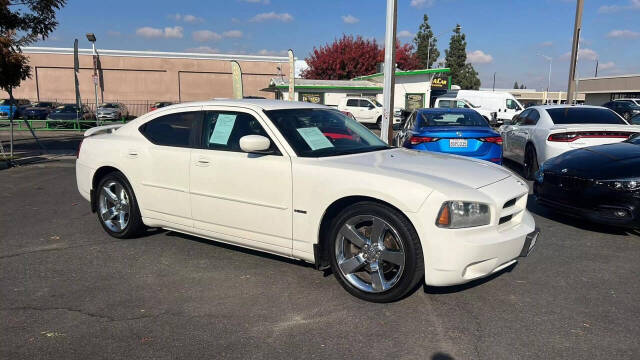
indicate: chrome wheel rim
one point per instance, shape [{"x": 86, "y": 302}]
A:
[
  {"x": 370, "y": 254},
  {"x": 114, "y": 206}
]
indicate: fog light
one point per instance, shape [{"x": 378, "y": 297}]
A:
[{"x": 620, "y": 213}]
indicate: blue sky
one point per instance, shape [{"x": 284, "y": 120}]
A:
[{"x": 503, "y": 36}]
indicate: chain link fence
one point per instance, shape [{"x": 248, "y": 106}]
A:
[{"x": 135, "y": 108}]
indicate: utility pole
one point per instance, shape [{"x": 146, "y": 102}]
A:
[
  {"x": 386, "y": 128},
  {"x": 92, "y": 38},
  {"x": 494, "y": 82},
  {"x": 596, "y": 74},
  {"x": 574, "y": 52}
]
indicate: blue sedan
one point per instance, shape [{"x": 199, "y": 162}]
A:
[{"x": 453, "y": 131}]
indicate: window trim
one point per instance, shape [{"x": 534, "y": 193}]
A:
[{"x": 193, "y": 143}]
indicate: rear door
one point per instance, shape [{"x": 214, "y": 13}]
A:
[
  {"x": 524, "y": 132},
  {"x": 165, "y": 164},
  {"x": 511, "y": 143}
]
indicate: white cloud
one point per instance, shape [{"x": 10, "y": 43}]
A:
[
  {"x": 623, "y": 34},
  {"x": 149, "y": 32},
  {"x": 405, "y": 34},
  {"x": 422, "y": 3},
  {"x": 608, "y": 9},
  {"x": 203, "y": 49},
  {"x": 173, "y": 32},
  {"x": 284, "y": 17},
  {"x": 191, "y": 19},
  {"x": 479, "y": 57},
  {"x": 205, "y": 35},
  {"x": 607, "y": 65},
  {"x": 232, "y": 34},
  {"x": 583, "y": 54},
  {"x": 266, "y": 2},
  {"x": 300, "y": 66},
  {"x": 168, "y": 32},
  {"x": 265, "y": 52},
  {"x": 350, "y": 19}
]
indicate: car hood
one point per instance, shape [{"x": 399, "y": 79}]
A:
[
  {"x": 599, "y": 162},
  {"x": 404, "y": 163}
]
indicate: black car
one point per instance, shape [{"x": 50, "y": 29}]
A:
[
  {"x": 599, "y": 183},
  {"x": 67, "y": 115},
  {"x": 626, "y": 109},
  {"x": 39, "y": 110}
]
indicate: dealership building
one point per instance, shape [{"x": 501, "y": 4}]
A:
[
  {"x": 599, "y": 90},
  {"x": 139, "y": 78}
]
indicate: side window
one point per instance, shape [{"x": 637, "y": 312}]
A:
[
  {"x": 532, "y": 118},
  {"x": 521, "y": 118},
  {"x": 444, "y": 103},
  {"x": 173, "y": 129},
  {"x": 409, "y": 124},
  {"x": 512, "y": 105},
  {"x": 365, "y": 103},
  {"x": 352, "y": 102},
  {"x": 222, "y": 130}
]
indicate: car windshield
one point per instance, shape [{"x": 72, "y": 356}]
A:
[
  {"x": 41, "y": 104},
  {"x": 376, "y": 103},
  {"x": 66, "y": 108},
  {"x": 450, "y": 118},
  {"x": 635, "y": 120},
  {"x": 584, "y": 115},
  {"x": 6, "y": 102},
  {"x": 109, "y": 106},
  {"x": 324, "y": 132},
  {"x": 471, "y": 104}
]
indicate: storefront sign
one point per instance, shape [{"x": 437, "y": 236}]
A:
[{"x": 440, "y": 83}]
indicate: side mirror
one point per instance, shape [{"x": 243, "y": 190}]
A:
[{"x": 257, "y": 144}]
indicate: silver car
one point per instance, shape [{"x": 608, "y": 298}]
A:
[{"x": 112, "y": 111}]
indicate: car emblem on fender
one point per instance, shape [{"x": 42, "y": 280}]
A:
[
  {"x": 564, "y": 171},
  {"x": 458, "y": 133}
]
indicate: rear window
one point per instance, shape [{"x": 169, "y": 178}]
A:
[
  {"x": 450, "y": 118},
  {"x": 577, "y": 115}
]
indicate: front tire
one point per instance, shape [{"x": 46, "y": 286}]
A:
[
  {"x": 375, "y": 252},
  {"x": 117, "y": 207},
  {"x": 379, "y": 122}
]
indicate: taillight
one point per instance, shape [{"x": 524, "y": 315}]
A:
[
  {"x": 493, "y": 139},
  {"x": 79, "y": 148},
  {"x": 415, "y": 140},
  {"x": 572, "y": 136}
]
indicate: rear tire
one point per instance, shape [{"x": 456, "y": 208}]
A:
[
  {"x": 530, "y": 163},
  {"x": 375, "y": 252},
  {"x": 379, "y": 122},
  {"x": 117, "y": 207}
]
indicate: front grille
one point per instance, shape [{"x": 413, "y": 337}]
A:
[
  {"x": 510, "y": 203},
  {"x": 504, "y": 219},
  {"x": 567, "y": 182}
]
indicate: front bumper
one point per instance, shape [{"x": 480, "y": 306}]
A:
[
  {"x": 598, "y": 206},
  {"x": 109, "y": 116},
  {"x": 457, "y": 256}
]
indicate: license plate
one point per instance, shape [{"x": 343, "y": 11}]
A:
[{"x": 458, "y": 143}]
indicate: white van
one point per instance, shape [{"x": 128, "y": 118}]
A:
[
  {"x": 367, "y": 110},
  {"x": 452, "y": 102},
  {"x": 502, "y": 103}
]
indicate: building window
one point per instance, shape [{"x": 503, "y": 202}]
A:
[{"x": 314, "y": 98}]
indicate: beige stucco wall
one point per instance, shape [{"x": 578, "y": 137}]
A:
[{"x": 139, "y": 79}]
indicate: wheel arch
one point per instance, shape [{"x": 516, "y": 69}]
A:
[
  {"x": 321, "y": 248},
  {"x": 100, "y": 173}
]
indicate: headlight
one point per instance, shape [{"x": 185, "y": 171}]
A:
[
  {"x": 461, "y": 214},
  {"x": 621, "y": 184}
]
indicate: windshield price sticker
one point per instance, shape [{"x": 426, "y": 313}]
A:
[
  {"x": 314, "y": 138},
  {"x": 222, "y": 130}
]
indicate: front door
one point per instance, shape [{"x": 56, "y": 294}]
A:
[{"x": 239, "y": 197}]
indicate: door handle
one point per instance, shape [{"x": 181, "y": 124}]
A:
[{"x": 202, "y": 161}]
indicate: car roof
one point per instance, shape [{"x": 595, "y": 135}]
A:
[
  {"x": 565, "y": 106},
  {"x": 256, "y": 104},
  {"x": 447, "y": 110}
]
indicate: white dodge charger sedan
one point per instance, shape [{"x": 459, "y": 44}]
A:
[
  {"x": 307, "y": 182},
  {"x": 540, "y": 133}
]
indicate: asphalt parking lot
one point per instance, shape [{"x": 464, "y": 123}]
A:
[{"x": 68, "y": 291}]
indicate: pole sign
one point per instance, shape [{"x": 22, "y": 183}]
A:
[{"x": 440, "y": 83}]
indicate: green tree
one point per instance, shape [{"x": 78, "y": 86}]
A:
[
  {"x": 462, "y": 73},
  {"x": 426, "y": 45},
  {"x": 515, "y": 85}
]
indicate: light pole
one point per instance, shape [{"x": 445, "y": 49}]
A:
[
  {"x": 550, "y": 59},
  {"x": 577, "y": 27},
  {"x": 92, "y": 38},
  {"x": 494, "y": 82},
  {"x": 386, "y": 126}
]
